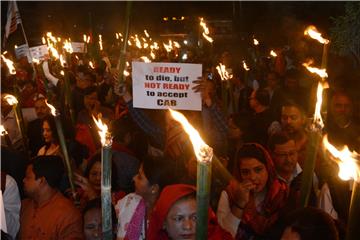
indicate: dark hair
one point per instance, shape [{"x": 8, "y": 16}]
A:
[
  {"x": 51, "y": 121},
  {"x": 312, "y": 224},
  {"x": 278, "y": 138},
  {"x": 293, "y": 73},
  {"x": 243, "y": 122},
  {"x": 291, "y": 103},
  {"x": 120, "y": 127},
  {"x": 157, "y": 171},
  {"x": 249, "y": 150},
  {"x": 90, "y": 90},
  {"x": 96, "y": 204},
  {"x": 50, "y": 167},
  {"x": 94, "y": 159},
  {"x": 262, "y": 96}
]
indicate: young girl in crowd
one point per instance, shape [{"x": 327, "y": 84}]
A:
[
  {"x": 251, "y": 205},
  {"x": 174, "y": 216}
]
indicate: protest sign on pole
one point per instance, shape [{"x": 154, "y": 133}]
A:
[{"x": 166, "y": 85}]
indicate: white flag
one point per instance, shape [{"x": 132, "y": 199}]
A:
[{"x": 13, "y": 18}]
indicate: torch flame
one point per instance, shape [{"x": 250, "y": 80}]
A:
[
  {"x": 176, "y": 44},
  {"x": 137, "y": 42},
  {"x": 321, "y": 72},
  {"x": 223, "y": 73},
  {"x": 145, "y": 59},
  {"x": 103, "y": 131},
  {"x": 3, "y": 132},
  {"x": 91, "y": 64},
  {"x": 9, "y": 64},
  {"x": 100, "y": 42},
  {"x": 68, "y": 46},
  {"x": 245, "y": 66},
  {"x": 318, "y": 121},
  {"x": 53, "y": 51},
  {"x": 273, "y": 53},
  {"x": 202, "y": 151},
  {"x": 126, "y": 73},
  {"x": 348, "y": 161},
  {"x": 52, "y": 108},
  {"x": 256, "y": 42},
  {"x": 314, "y": 34},
  {"x": 11, "y": 100},
  {"x": 206, "y": 31},
  {"x": 117, "y": 35},
  {"x": 62, "y": 61},
  {"x": 62, "y": 72},
  {"x": 152, "y": 55},
  {"x": 43, "y": 40},
  {"x": 146, "y": 33}
]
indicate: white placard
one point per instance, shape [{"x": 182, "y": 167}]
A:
[
  {"x": 39, "y": 52},
  {"x": 165, "y": 85},
  {"x": 78, "y": 47},
  {"x": 21, "y": 51}
]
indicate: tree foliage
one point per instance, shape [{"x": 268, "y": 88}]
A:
[{"x": 345, "y": 34}]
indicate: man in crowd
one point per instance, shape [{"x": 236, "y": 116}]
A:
[{"x": 47, "y": 214}]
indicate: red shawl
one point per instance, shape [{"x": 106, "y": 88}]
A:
[
  {"x": 275, "y": 198},
  {"x": 167, "y": 198}
]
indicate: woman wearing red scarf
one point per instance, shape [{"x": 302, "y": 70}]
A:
[
  {"x": 174, "y": 216},
  {"x": 251, "y": 205}
]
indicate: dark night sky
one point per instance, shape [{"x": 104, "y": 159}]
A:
[{"x": 73, "y": 18}]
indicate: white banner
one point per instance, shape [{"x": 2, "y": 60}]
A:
[
  {"x": 78, "y": 47},
  {"x": 38, "y": 52},
  {"x": 166, "y": 85}
]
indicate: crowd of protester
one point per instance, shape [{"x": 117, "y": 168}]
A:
[{"x": 261, "y": 136}]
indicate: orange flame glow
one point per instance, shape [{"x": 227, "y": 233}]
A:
[
  {"x": 202, "y": 151},
  {"x": 3, "y": 131},
  {"x": 348, "y": 161},
  {"x": 100, "y": 42},
  {"x": 91, "y": 64},
  {"x": 256, "y": 42},
  {"x": 206, "y": 31},
  {"x": 105, "y": 136},
  {"x": 321, "y": 72},
  {"x": 11, "y": 100},
  {"x": 145, "y": 59},
  {"x": 221, "y": 68},
  {"x": 245, "y": 66},
  {"x": 52, "y": 108},
  {"x": 314, "y": 34},
  {"x": 273, "y": 53},
  {"x": 9, "y": 64}
]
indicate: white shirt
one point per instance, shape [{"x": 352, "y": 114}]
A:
[{"x": 12, "y": 205}]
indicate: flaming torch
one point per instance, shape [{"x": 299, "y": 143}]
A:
[
  {"x": 206, "y": 31},
  {"x": 204, "y": 155},
  {"x": 315, "y": 134},
  {"x": 9, "y": 64},
  {"x": 349, "y": 168},
  {"x": 106, "y": 142},
  {"x": 312, "y": 32},
  {"x": 225, "y": 75},
  {"x": 12, "y": 101},
  {"x": 62, "y": 142}
]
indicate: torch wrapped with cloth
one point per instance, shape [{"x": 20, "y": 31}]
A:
[{"x": 106, "y": 156}]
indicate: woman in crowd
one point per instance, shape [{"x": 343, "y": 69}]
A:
[
  {"x": 134, "y": 210},
  {"x": 251, "y": 205},
  {"x": 174, "y": 216},
  {"x": 50, "y": 136},
  {"x": 90, "y": 182}
]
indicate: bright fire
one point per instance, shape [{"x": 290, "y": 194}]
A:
[
  {"x": 3, "y": 132},
  {"x": 100, "y": 42},
  {"x": 52, "y": 108},
  {"x": 256, "y": 42},
  {"x": 202, "y": 151},
  {"x": 9, "y": 64},
  {"x": 348, "y": 161},
  {"x": 273, "y": 53},
  {"x": 221, "y": 68},
  {"x": 321, "y": 72},
  {"x": 11, "y": 100},
  {"x": 245, "y": 66},
  {"x": 314, "y": 34},
  {"x": 145, "y": 59},
  {"x": 103, "y": 131},
  {"x": 206, "y": 31},
  {"x": 91, "y": 64}
]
